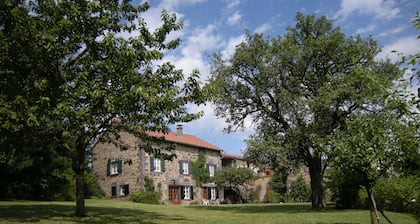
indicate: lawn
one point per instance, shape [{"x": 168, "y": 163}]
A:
[{"x": 114, "y": 211}]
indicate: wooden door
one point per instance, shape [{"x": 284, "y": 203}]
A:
[{"x": 174, "y": 195}]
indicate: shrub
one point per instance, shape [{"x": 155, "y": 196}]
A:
[
  {"x": 300, "y": 190},
  {"x": 275, "y": 197},
  {"x": 398, "y": 194},
  {"x": 146, "y": 197}
]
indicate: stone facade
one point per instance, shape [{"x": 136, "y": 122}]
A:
[{"x": 123, "y": 171}]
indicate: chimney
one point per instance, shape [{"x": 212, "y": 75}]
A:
[{"x": 179, "y": 130}]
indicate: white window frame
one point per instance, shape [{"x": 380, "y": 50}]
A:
[
  {"x": 157, "y": 164},
  {"x": 185, "y": 167},
  {"x": 114, "y": 168},
  {"x": 213, "y": 193},
  {"x": 187, "y": 193},
  {"x": 212, "y": 170}
]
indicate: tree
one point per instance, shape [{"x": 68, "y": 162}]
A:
[
  {"x": 300, "y": 87},
  {"x": 235, "y": 178},
  {"x": 370, "y": 146},
  {"x": 82, "y": 71}
]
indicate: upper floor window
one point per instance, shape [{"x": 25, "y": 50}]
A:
[
  {"x": 212, "y": 169},
  {"x": 157, "y": 165},
  {"x": 185, "y": 167},
  {"x": 114, "y": 168}
]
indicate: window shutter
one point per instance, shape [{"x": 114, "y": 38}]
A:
[
  {"x": 180, "y": 167},
  {"x": 108, "y": 168},
  {"x": 119, "y": 166},
  {"x": 217, "y": 193},
  {"x": 189, "y": 167},
  {"x": 209, "y": 193},
  {"x": 182, "y": 192},
  {"x": 192, "y": 193},
  {"x": 152, "y": 164},
  {"x": 208, "y": 169},
  {"x": 162, "y": 165}
]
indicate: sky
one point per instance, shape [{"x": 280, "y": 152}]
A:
[{"x": 212, "y": 26}]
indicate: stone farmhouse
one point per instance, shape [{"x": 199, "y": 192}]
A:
[{"x": 172, "y": 179}]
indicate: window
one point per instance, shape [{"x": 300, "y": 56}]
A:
[
  {"x": 187, "y": 193},
  {"x": 211, "y": 169},
  {"x": 213, "y": 193},
  {"x": 157, "y": 164},
  {"x": 114, "y": 191},
  {"x": 184, "y": 167},
  {"x": 114, "y": 168},
  {"x": 124, "y": 190}
]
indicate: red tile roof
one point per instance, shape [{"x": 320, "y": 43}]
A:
[
  {"x": 185, "y": 139},
  {"x": 231, "y": 156}
]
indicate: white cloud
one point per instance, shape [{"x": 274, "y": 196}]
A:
[
  {"x": 367, "y": 29},
  {"x": 380, "y": 9},
  {"x": 231, "y": 46},
  {"x": 174, "y": 4},
  {"x": 263, "y": 28},
  {"x": 234, "y": 19},
  {"x": 391, "y": 31},
  {"x": 233, "y": 4},
  {"x": 405, "y": 45}
]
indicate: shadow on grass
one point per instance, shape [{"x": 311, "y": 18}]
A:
[
  {"x": 260, "y": 208},
  {"x": 95, "y": 215}
]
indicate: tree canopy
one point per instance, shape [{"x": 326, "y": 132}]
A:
[
  {"x": 70, "y": 68},
  {"x": 300, "y": 87}
]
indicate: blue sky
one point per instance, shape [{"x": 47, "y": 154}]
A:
[{"x": 219, "y": 25}]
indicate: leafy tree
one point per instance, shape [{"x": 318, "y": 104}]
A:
[
  {"x": 82, "y": 71},
  {"x": 300, "y": 87},
  {"x": 236, "y": 178},
  {"x": 199, "y": 170},
  {"x": 368, "y": 148}
]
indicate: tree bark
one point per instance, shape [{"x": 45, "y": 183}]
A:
[
  {"x": 316, "y": 175},
  {"x": 79, "y": 171},
  {"x": 374, "y": 217}
]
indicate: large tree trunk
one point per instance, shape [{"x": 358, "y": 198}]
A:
[
  {"x": 316, "y": 174},
  {"x": 79, "y": 171},
  {"x": 374, "y": 217}
]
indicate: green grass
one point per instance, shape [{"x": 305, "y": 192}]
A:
[{"x": 114, "y": 211}]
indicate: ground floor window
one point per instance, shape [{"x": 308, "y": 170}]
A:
[
  {"x": 124, "y": 190},
  {"x": 187, "y": 193},
  {"x": 114, "y": 191},
  {"x": 210, "y": 193}
]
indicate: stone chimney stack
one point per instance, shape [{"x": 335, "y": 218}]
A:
[{"x": 179, "y": 130}]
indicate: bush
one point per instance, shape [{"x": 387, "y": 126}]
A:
[
  {"x": 275, "y": 197},
  {"x": 300, "y": 190},
  {"x": 146, "y": 197},
  {"x": 398, "y": 194}
]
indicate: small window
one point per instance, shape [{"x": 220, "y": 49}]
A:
[
  {"x": 114, "y": 191},
  {"x": 187, "y": 193},
  {"x": 212, "y": 169},
  {"x": 157, "y": 164},
  {"x": 213, "y": 193},
  {"x": 114, "y": 168},
  {"x": 124, "y": 190},
  {"x": 184, "y": 167}
]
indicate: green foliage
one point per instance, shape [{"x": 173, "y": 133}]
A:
[
  {"x": 67, "y": 72},
  {"x": 233, "y": 177},
  {"x": 149, "y": 184},
  {"x": 146, "y": 197},
  {"x": 275, "y": 197},
  {"x": 397, "y": 194},
  {"x": 92, "y": 188},
  {"x": 199, "y": 170},
  {"x": 299, "y": 88},
  {"x": 278, "y": 181},
  {"x": 300, "y": 191}
]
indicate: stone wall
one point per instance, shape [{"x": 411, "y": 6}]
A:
[{"x": 133, "y": 174}]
